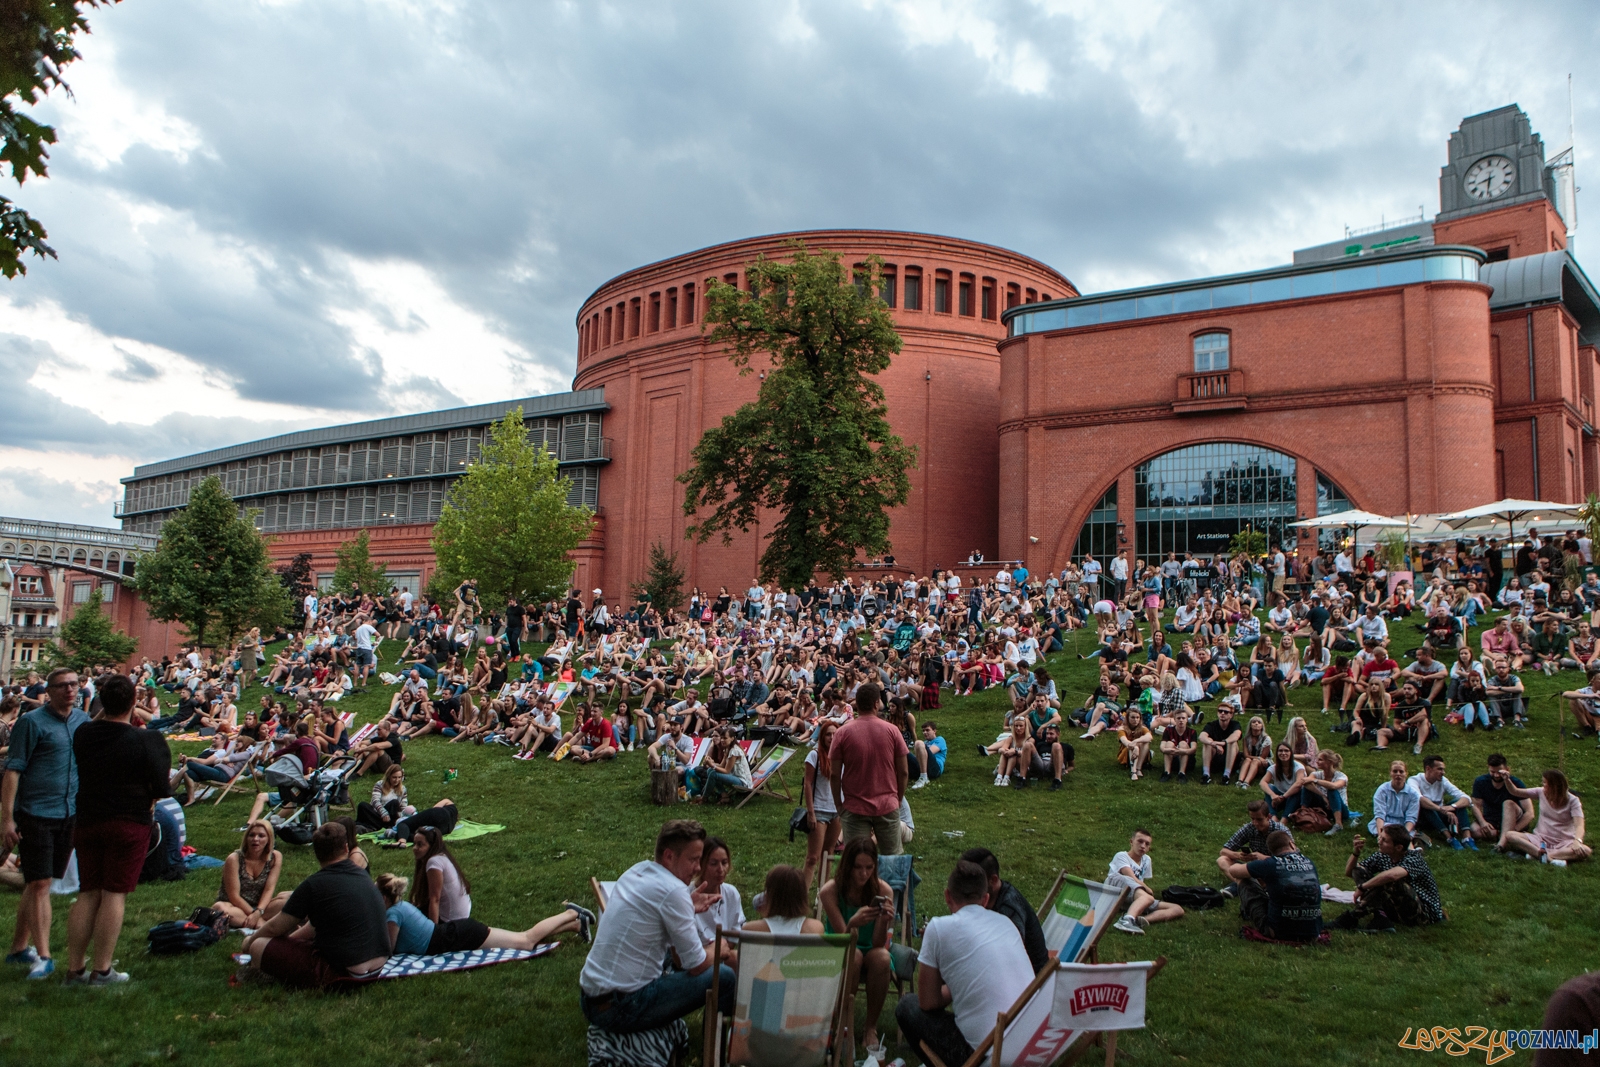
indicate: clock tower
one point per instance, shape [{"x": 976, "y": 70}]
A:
[{"x": 1495, "y": 193}]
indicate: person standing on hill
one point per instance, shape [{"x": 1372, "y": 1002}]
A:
[
  {"x": 869, "y": 774},
  {"x": 38, "y": 800},
  {"x": 124, "y": 772}
]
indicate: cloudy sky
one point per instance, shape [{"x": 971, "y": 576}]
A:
[{"x": 274, "y": 214}]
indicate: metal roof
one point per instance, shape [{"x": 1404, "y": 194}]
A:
[
  {"x": 543, "y": 407},
  {"x": 1546, "y": 278}
]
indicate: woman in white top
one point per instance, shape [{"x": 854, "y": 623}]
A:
[
  {"x": 726, "y": 910},
  {"x": 1283, "y": 781},
  {"x": 439, "y": 888},
  {"x": 1327, "y": 789},
  {"x": 1314, "y": 661},
  {"x": 822, "y": 816}
]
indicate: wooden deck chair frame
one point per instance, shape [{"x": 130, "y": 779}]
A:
[
  {"x": 600, "y": 897},
  {"x": 764, "y": 787},
  {"x": 844, "y": 1005},
  {"x": 247, "y": 771},
  {"x": 992, "y": 1047}
]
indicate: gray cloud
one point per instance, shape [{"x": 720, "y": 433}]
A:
[{"x": 524, "y": 153}]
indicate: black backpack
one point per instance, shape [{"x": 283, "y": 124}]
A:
[
  {"x": 203, "y": 927},
  {"x": 1193, "y": 897}
]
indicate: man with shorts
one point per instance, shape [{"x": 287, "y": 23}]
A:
[
  {"x": 1051, "y": 757},
  {"x": 38, "y": 801},
  {"x": 123, "y": 773},
  {"x": 366, "y": 652},
  {"x": 869, "y": 774},
  {"x": 1496, "y": 810},
  {"x": 1219, "y": 741},
  {"x": 334, "y": 927}
]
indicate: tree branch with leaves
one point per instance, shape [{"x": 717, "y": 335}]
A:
[{"x": 814, "y": 448}]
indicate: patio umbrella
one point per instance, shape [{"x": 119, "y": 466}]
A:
[
  {"x": 1509, "y": 511},
  {"x": 1349, "y": 518}
]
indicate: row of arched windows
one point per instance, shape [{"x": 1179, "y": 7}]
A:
[{"x": 905, "y": 287}]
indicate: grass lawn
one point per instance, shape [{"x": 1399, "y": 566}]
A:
[{"x": 1516, "y": 929}]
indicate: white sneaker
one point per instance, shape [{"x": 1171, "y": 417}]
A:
[
  {"x": 112, "y": 976},
  {"x": 1416, "y": 750},
  {"x": 920, "y": 782},
  {"x": 1002, "y": 781},
  {"x": 1128, "y": 926}
]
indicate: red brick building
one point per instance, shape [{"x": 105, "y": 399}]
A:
[{"x": 1422, "y": 367}]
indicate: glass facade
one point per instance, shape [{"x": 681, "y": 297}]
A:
[
  {"x": 1195, "y": 499},
  {"x": 1098, "y": 538},
  {"x": 375, "y": 482},
  {"x": 1248, "y": 289}
]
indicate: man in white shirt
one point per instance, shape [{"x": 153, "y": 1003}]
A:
[
  {"x": 972, "y": 962},
  {"x": 311, "y": 609},
  {"x": 1119, "y": 573},
  {"x": 1132, "y": 869},
  {"x": 366, "y": 656},
  {"x": 1002, "y": 580},
  {"x": 1443, "y": 804},
  {"x": 625, "y": 987}
]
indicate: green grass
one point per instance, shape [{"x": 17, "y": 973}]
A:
[{"x": 1516, "y": 930}]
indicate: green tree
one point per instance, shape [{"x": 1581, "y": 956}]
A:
[
  {"x": 36, "y": 45},
  {"x": 663, "y": 584},
  {"x": 507, "y": 522},
  {"x": 298, "y": 580},
  {"x": 1248, "y": 542},
  {"x": 211, "y": 573},
  {"x": 814, "y": 447},
  {"x": 89, "y": 639},
  {"x": 355, "y": 569}
]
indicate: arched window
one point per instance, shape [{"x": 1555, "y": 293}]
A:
[
  {"x": 1098, "y": 538},
  {"x": 1195, "y": 499},
  {"x": 1210, "y": 352}
]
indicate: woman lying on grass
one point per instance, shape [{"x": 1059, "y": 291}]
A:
[{"x": 413, "y": 933}]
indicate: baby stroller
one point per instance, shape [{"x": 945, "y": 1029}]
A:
[{"x": 308, "y": 796}]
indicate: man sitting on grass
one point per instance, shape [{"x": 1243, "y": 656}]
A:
[
  {"x": 1443, "y": 805},
  {"x": 333, "y": 926},
  {"x": 1393, "y": 885},
  {"x": 1496, "y": 811},
  {"x": 1131, "y": 869},
  {"x": 1177, "y": 746},
  {"x": 1219, "y": 741},
  {"x": 930, "y": 754},
  {"x": 1248, "y": 843},
  {"x": 1294, "y": 895}
]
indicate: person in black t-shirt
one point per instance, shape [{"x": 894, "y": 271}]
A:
[
  {"x": 345, "y": 913},
  {"x": 1495, "y": 809},
  {"x": 1294, "y": 895},
  {"x": 122, "y": 772}
]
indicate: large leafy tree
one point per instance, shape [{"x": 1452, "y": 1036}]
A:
[
  {"x": 298, "y": 580},
  {"x": 507, "y": 522},
  {"x": 210, "y": 572},
  {"x": 89, "y": 639},
  {"x": 355, "y": 569},
  {"x": 814, "y": 447},
  {"x": 36, "y": 44}
]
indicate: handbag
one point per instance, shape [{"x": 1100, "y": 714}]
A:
[
  {"x": 1311, "y": 820},
  {"x": 797, "y": 821}
]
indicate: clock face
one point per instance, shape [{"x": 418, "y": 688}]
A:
[{"x": 1490, "y": 177}]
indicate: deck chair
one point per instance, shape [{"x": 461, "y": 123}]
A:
[
  {"x": 602, "y": 893},
  {"x": 791, "y": 1008},
  {"x": 1063, "y": 1012},
  {"x": 1075, "y": 913},
  {"x": 766, "y": 772},
  {"x": 900, "y": 872}
]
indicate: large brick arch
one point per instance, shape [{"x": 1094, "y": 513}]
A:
[{"x": 1331, "y": 465}]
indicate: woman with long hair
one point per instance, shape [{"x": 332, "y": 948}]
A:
[
  {"x": 389, "y": 803},
  {"x": 413, "y": 933},
  {"x": 856, "y": 900},
  {"x": 250, "y": 879},
  {"x": 1256, "y": 748},
  {"x": 1558, "y": 837},
  {"x": 1327, "y": 789},
  {"x": 440, "y": 888},
  {"x": 822, "y": 815},
  {"x": 1283, "y": 781},
  {"x": 726, "y": 909},
  {"x": 1301, "y": 743},
  {"x": 1135, "y": 738}
]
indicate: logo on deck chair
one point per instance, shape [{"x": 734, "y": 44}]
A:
[{"x": 1106, "y": 996}]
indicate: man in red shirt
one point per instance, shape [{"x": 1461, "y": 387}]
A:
[{"x": 869, "y": 774}]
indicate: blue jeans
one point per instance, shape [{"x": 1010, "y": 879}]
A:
[
  {"x": 202, "y": 772},
  {"x": 1475, "y": 709},
  {"x": 1282, "y": 804},
  {"x": 672, "y": 996},
  {"x": 426, "y": 671}
]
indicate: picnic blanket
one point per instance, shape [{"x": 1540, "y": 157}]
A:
[
  {"x": 465, "y": 830},
  {"x": 412, "y": 966}
]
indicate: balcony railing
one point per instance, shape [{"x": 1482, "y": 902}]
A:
[
  {"x": 33, "y": 633},
  {"x": 1210, "y": 391},
  {"x": 587, "y": 450}
]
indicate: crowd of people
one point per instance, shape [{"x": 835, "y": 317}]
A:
[{"x": 1197, "y": 665}]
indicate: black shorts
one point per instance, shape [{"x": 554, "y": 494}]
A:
[
  {"x": 46, "y": 847},
  {"x": 457, "y": 935}
]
